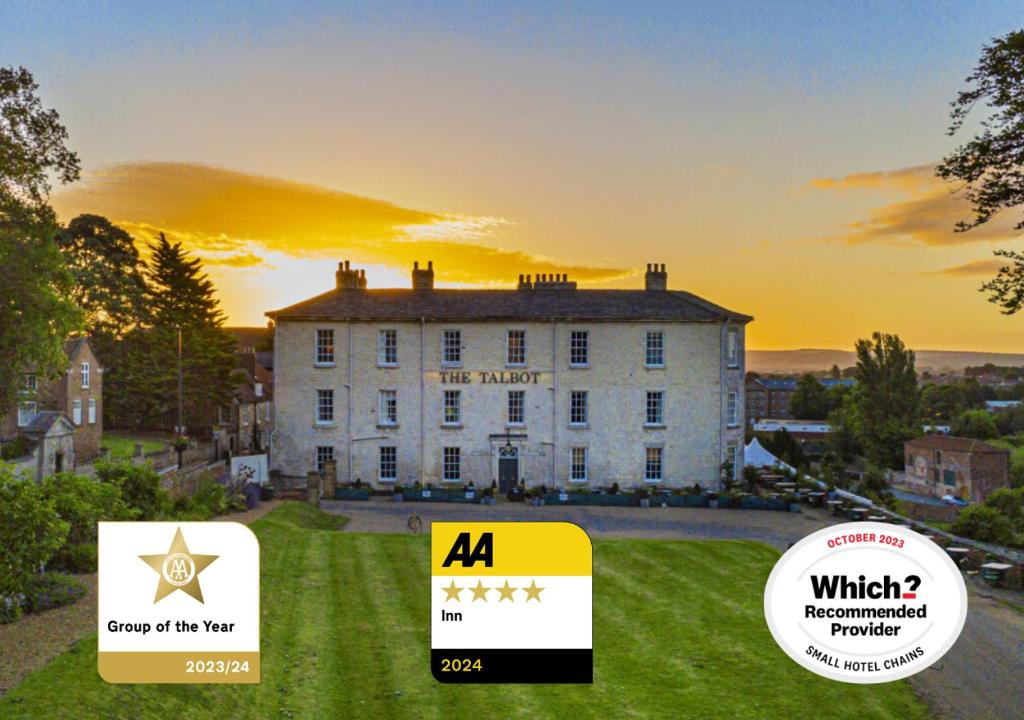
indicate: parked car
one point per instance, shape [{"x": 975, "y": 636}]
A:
[{"x": 954, "y": 500}]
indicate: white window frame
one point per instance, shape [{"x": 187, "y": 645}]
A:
[
  {"x": 657, "y": 347},
  {"x": 387, "y": 343},
  {"x": 76, "y": 411},
  {"x": 732, "y": 411},
  {"x": 390, "y": 463},
  {"x": 732, "y": 455},
  {"x": 579, "y": 344},
  {"x": 26, "y": 411},
  {"x": 91, "y": 411},
  {"x": 655, "y": 400},
  {"x": 573, "y": 396},
  {"x": 451, "y": 464},
  {"x": 660, "y": 452},
  {"x": 509, "y": 417},
  {"x": 573, "y": 464},
  {"x": 324, "y": 348},
  {"x": 387, "y": 401},
  {"x": 84, "y": 368},
  {"x": 732, "y": 348},
  {"x": 322, "y": 453},
  {"x": 509, "y": 360},
  {"x": 324, "y": 406},
  {"x": 451, "y": 347},
  {"x": 31, "y": 384},
  {"x": 451, "y": 400}
]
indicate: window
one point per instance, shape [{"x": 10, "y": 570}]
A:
[
  {"x": 388, "y": 407},
  {"x": 31, "y": 383},
  {"x": 516, "y": 407},
  {"x": 85, "y": 376},
  {"x": 323, "y": 454},
  {"x": 655, "y": 408},
  {"x": 76, "y": 412},
  {"x": 324, "y": 407},
  {"x": 731, "y": 410},
  {"x": 26, "y": 411},
  {"x": 452, "y": 471},
  {"x": 92, "y": 411},
  {"x": 451, "y": 347},
  {"x": 325, "y": 347},
  {"x": 938, "y": 457},
  {"x": 387, "y": 348},
  {"x": 654, "y": 464},
  {"x": 387, "y": 464},
  {"x": 579, "y": 347},
  {"x": 949, "y": 477},
  {"x": 655, "y": 354},
  {"x": 515, "y": 347},
  {"x": 577, "y": 464},
  {"x": 732, "y": 457},
  {"x": 578, "y": 407},
  {"x": 732, "y": 349},
  {"x": 452, "y": 407}
]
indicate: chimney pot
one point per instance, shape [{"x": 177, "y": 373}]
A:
[{"x": 415, "y": 264}]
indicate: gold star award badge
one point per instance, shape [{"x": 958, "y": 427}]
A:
[
  {"x": 511, "y": 603},
  {"x": 149, "y": 632}
]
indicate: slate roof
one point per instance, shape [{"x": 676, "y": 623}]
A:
[
  {"x": 43, "y": 421},
  {"x": 950, "y": 443},
  {"x": 534, "y": 304}
]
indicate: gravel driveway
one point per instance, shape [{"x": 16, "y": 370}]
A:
[{"x": 980, "y": 678}]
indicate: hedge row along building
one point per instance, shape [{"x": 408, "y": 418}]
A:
[{"x": 544, "y": 384}]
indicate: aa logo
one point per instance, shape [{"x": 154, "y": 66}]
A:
[{"x": 482, "y": 552}]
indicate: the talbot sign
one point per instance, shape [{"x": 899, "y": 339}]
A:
[{"x": 504, "y": 377}]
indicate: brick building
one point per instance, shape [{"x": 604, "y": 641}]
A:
[
  {"x": 940, "y": 465},
  {"x": 770, "y": 398},
  {"x": 542, "y": 384},
  {"x": 77, "y": 393}
]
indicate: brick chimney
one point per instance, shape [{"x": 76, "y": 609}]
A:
[
  {"x": 423, "y": 279},
  {"x": 656, "y": 277},
  {"x": 546, "y": 281},
  {"x": 347, "y": 278}
]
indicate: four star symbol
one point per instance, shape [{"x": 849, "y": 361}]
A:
[{"x": 480, "y": 591}]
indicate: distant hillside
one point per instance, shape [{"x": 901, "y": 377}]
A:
[{"x": 789, "y": 361}]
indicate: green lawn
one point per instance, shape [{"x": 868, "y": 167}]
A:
[
  {"x": 122, "y": 446},
  {"x": 678, "y": 633}
]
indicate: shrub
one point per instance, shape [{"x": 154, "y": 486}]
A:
[
  {"x": 16, "y": 448},
  {"x": 139, "y": 486},
  {"x": 212, "y": 496},
  {"x": 31, "y": 531},
  {"x": 984, "y": 523},
  {"x": 52, "y": 590},
  {"x": 82, "y": 502}
]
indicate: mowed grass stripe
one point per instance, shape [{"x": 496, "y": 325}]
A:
[{"x": 678, "y": 632}]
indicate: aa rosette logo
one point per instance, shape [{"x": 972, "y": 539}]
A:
[{"x": 865, "y": 602}]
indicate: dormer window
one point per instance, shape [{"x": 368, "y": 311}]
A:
[{"x": 85, "y": 376}]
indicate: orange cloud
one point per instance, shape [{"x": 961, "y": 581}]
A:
[
  {"x": 214, "y": 211},
  {"x": 927, "y": 214},
  {"x": 972, "y": 268}
]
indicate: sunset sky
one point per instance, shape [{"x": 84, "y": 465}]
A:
[{"x": 776, "y": 156}]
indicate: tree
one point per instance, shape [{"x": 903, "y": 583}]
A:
[
  {"x": 36, "y": 311},
  {"x": 844, "y": 431},
  {"x": 977, "y": 424},
  {"x": 990, "y": 164},
  {"x": 835, "y": 373},
  {"x": 886, "y": 398},
  {"x": 785, "y": 447},
  {"x": 179, "y": 296},
  {"x": 942, "y": 403},
  {"x": 810, "y": 400},
  {"x": 984, "y": 523}
]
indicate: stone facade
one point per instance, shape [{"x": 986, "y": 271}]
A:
[
  {"x": 700, "y": 380},
  {"x": 941, "y": 465}
]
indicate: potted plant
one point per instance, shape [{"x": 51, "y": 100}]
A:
[
  {"x": 470, "y": 490},
  {"x": 645, "y": 496},
  {"x": 427, "y": 489},
  {"x": 398, "y": 492},
  {"x": 712, "y": 500},
  {"x": 487, "y": 497},
  {"x": 793, "y": 501}
]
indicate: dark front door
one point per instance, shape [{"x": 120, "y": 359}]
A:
[{"x": 508, "y": 474}]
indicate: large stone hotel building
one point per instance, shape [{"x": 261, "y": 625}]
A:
[{"x": 544, "y": 384}]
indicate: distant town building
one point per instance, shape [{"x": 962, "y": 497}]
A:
[
  {"x": 1000, "y": 405},
  {"x": 771, "y": 397},
  {"x": 941, "y": 465},
  {"x": 799, "y": 429}
]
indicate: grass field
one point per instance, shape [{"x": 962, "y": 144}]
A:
[
  {"x": 678, "y": 633},
  {"x": 122, "y": 446}
]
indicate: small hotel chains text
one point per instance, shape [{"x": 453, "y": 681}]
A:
[{"x": 501, "y": 378}]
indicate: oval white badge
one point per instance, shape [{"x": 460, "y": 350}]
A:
[{"x": 865, "y": 602}]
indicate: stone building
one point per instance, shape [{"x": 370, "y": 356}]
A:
[
  {"x": 941, "y": 465},
  {"x": 244, "y": 425},
  {"x": 542, "y": 384},
  {"x": 77, "y": 393}
]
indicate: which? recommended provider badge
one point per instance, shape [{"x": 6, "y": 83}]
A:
[
  {"x": 865, "y": 602},
  {"x": 510, "y": 602},
  {"x": 178, "y": 603}
]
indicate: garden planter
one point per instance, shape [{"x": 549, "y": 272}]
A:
[
  {"x": 794, "y": 507},
  {"x": 351, "y": 493},
  {"x": 398, "y": 497},
  {"x": 645, "y": 502}
]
